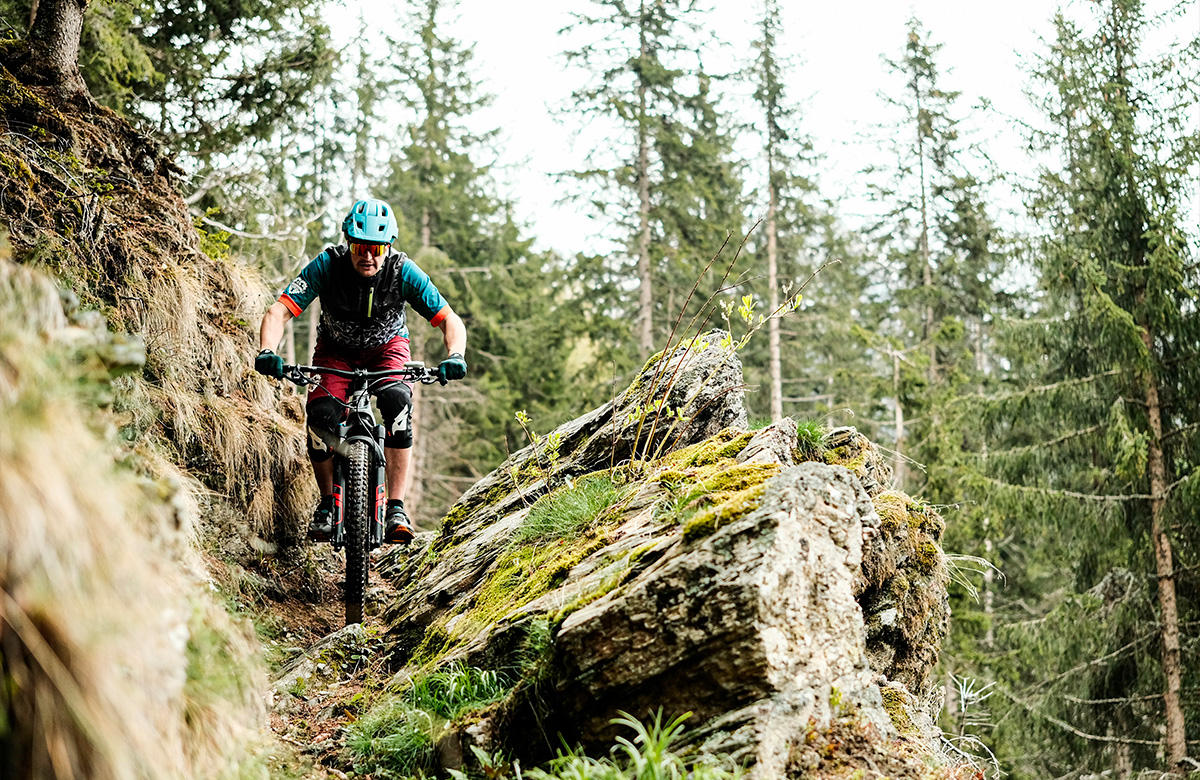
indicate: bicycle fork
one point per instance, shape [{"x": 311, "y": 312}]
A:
[{"x": 379, "y": 482}]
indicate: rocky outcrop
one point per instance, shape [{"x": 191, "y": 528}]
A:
[{"x": 748, "y": 578}]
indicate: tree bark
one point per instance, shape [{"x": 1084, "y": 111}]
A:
[
  {"x": 1176, "y": 734},
  {"x": 898, "y": 470},
  {"x": 52, "y": 59},
  {"x": 773, "y": 350},
  {"x": 646, "y": 296}
]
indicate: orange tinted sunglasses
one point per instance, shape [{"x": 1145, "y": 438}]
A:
[{"x": 368, "y": 249}]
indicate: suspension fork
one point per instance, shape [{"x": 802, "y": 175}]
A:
[
  {"x": 339, "y": 495},
  {"x": 379, "y": 481}
]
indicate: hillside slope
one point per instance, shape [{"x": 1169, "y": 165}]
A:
[{"x": 132, "y": 438}]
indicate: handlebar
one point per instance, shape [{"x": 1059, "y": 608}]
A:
[{"x": 413, "y": 371}]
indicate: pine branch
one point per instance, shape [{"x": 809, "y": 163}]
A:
[
  {"x": 1067, "y": 493},
  {"x": 1082, "y": 734},
  {"x": 1058, "y": 493},
  {"x": 1041, "y": 388},
  {"x": 1094, "y": 662},
  {"x": 1179, "y": 431},
  {"x": 1062, "y": 724},
  {"x": 1040, "y": 444}
]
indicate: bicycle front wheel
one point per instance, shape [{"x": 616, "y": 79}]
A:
[{"x": 357, "y": 522}]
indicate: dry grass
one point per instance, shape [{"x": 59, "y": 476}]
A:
[
  {"x": 118, "y": 662},
  {"x": 117, "y": 233}
]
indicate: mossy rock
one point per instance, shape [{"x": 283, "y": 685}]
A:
[
  {"x": 892, "y": 510},
  {"x": 722, "y": 446},
  {"x": 894, "y": 703},
  {"x": 708, "y": 521}
]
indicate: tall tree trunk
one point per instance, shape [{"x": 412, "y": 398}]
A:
[
  {"x": 1176, "y": 734},
  {"x": 927, "y": 268},
  {"x": 414, "y": 495},
  {"x": 775, "y": 363},
  {"x": 646, "y": 296},
  {"x": 52, "y": 59},
  {"x": 898, "y": 470}
]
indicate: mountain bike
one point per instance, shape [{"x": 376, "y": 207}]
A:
[{"x": 359, "y": 481}]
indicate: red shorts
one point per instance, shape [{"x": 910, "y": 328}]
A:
[{"x": 393, "y": 354}]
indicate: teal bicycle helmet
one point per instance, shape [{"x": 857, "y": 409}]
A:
[{"x": 371, "y": 220}]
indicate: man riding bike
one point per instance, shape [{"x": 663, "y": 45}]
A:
[{"x": 363, "y": 288}]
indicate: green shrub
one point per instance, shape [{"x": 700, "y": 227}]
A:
[
  {"x": 392, "y": 740},
  {"x": 649, "y": 755},
  {"x": 810, "y": 439},
  {"x": 395, "y": 739}
]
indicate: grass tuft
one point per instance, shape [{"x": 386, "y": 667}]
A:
[
  {"x": 649, "y": 755},
  {"x": 395, "y": 738},
  {"x": 567, "y": 511}
]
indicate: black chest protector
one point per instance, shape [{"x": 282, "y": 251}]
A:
[{"x": 362, "y": 312}]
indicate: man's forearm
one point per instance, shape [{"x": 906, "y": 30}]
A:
[
  {"x": 454, "y": 334},
  {"x": 271, "y": 329}
]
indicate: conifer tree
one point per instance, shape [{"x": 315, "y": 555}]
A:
[
  {"x": 667, "y": 170},
  {"x": 1092, "y": 468},
  {"x": 788, "y": 215},
  {"x": 939, "y": 247},
  {"x": 466, "y": 239}
]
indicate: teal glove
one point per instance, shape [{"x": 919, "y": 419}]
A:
[
  {"x": 269, "y": 364},
  {"x": 453, "y": 367}
]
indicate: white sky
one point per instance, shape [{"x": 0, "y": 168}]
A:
[{"x": 838, "y": 74}]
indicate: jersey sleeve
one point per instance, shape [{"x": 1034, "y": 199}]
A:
[
  {"x": 420, "y": 293},
  {"x": 305, "y": 288}
]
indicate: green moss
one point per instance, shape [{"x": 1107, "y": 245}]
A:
[
  {"x": 899, "y": 587},
  {"x": 893, "y": 704},
  {"x": 652, "y": 361},
  {"x": 16, "y": 170},
  {"x": 706, "y": 522},
  {"x": 436, "y": 643},
  {"x": 737, "y": 478},
  {"x": 847, "y": 456},
  {"x": 724, "y": 445},
  {"x": 928, "y": 557},
  {"x": 890, "y": 507},
  {"x": 640, "y": 552},
  {"x": 522, "y": 574},
  {"x": 606, "y": 586}
]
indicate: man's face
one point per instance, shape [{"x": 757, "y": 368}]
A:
[{"x": 367, "y": 258}]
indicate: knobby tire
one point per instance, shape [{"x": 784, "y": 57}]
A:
[{"x": 358, "y": 514}]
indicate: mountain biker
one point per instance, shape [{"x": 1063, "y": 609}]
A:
[{"x": 363, "y": 287}]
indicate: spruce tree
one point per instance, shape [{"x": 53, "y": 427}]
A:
[
  {"x": 791, "y": 219},
  {"x": 665, "y": 181},
  {"x": 939, "y": 248},
  {"x": 1092, "y": 468}
]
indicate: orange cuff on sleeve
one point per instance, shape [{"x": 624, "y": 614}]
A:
[
  {"x": 288, "y": 302},
  {"x": 440, "y": 316}
]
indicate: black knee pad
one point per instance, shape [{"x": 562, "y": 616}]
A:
[
  {"x": 325, "y": 414},
  {"x": 395, "y": 404}
]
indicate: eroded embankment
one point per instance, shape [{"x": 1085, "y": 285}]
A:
[{"x": 129, "y": 421}]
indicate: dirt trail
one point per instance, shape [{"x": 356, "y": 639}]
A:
[{"x": 302, "y": 606}]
